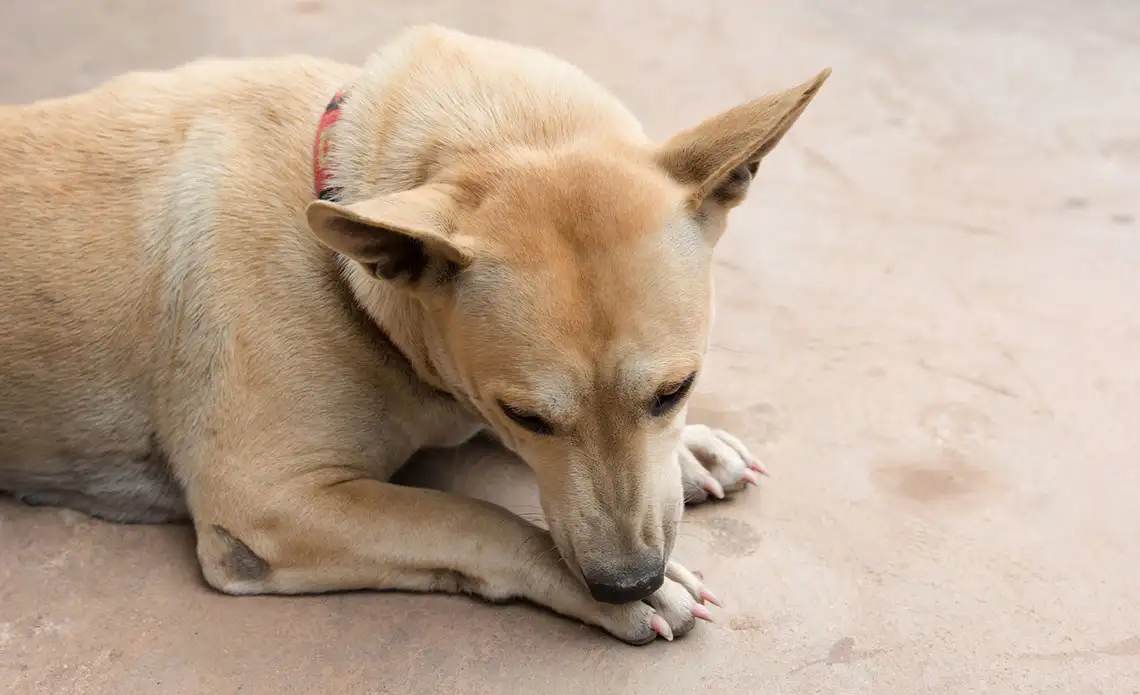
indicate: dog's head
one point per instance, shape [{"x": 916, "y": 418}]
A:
[{"x": 567, "y": 297}]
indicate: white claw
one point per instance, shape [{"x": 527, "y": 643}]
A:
[
  {"x": 687, "y": 579},
  {"x": 713, "y": 487},
  {"x": 710, "y": 597},
  {"x": 661, "y": 626},
  {"x": 703, "y": 613}
]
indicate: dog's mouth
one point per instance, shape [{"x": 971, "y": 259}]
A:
[
  {"x": 574, "y": 567},
  {"x": 565, "y": 550},
  {"x": 612, "y": 576},
  {"x": 616, "y": 546}
]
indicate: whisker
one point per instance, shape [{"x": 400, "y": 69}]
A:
[{"x": 535, "y": 558}]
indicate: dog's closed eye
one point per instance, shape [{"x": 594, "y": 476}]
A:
[
  {"x": 668, "y": 398},
  {"x": 527, "y": 421}
]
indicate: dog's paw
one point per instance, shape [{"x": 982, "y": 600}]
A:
[
  {"x": 715, "y": 464},
  {"x": 672, "y": 611}
]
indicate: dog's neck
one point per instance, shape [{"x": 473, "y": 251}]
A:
[
  {"x": 402, "y": 318},
  {"x": 406, "y": 325}
]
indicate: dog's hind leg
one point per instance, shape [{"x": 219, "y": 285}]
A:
[{"x": 118, "y": 489}]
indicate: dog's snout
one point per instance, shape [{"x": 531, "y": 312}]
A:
[{"x": 627, "y": 582}]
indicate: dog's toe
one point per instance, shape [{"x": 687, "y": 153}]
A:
[
  {"x": 677, "y": 607},
  {"x": 715, "y": 464}
]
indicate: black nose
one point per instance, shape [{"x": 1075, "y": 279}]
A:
[{"x": 627, "y": 582}]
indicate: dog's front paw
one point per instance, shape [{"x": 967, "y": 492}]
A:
[
  {"x": 670, "y": 612},
  {"x": 715, "y": 464}
]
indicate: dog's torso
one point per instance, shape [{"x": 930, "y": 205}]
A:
[{"x": 155, "y": 260}]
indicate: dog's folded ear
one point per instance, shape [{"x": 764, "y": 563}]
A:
[
  {"x": 718, "y": 158},
  {"x": 405, "y": 238}
]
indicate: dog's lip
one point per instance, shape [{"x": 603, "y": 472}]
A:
[
  {"x": 575, "y": 570},
  {"x": 577, "y": 573},
  {"x": 566, "y": 556},
  {"x": 574, "y": 567}
]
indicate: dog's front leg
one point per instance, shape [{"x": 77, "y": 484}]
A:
[
  {"x": 714, "y": 464},
  {"x": 320, "y": 535}
]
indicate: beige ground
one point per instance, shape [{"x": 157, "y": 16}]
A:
[{"x": 929, "y": 322}]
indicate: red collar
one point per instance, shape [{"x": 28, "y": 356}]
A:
[{"x": 322, "y": 146}]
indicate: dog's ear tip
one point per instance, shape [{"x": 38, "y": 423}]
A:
[{"x": 813, "y": 85}]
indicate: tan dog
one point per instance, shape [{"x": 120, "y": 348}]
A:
[{"x": 189, "y": 332}]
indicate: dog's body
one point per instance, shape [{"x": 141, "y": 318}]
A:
[{"x": 189, "y": 335}]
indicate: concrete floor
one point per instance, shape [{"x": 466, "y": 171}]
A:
[{"x": 929, "y": 323}]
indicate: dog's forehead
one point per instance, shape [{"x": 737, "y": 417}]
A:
[
  {"x": 595, "y": 278},
  {"x": 575, "y": 325},
  {"x": 599, "y": 276},
  {"x": 615, "y": 299}
]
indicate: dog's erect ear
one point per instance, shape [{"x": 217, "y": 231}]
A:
[
  {"x": 405, "y": 238},
  {"x": 719, "y": 157}
]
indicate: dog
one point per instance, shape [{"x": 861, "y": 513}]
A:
[{"x": 244, "y": 293}]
